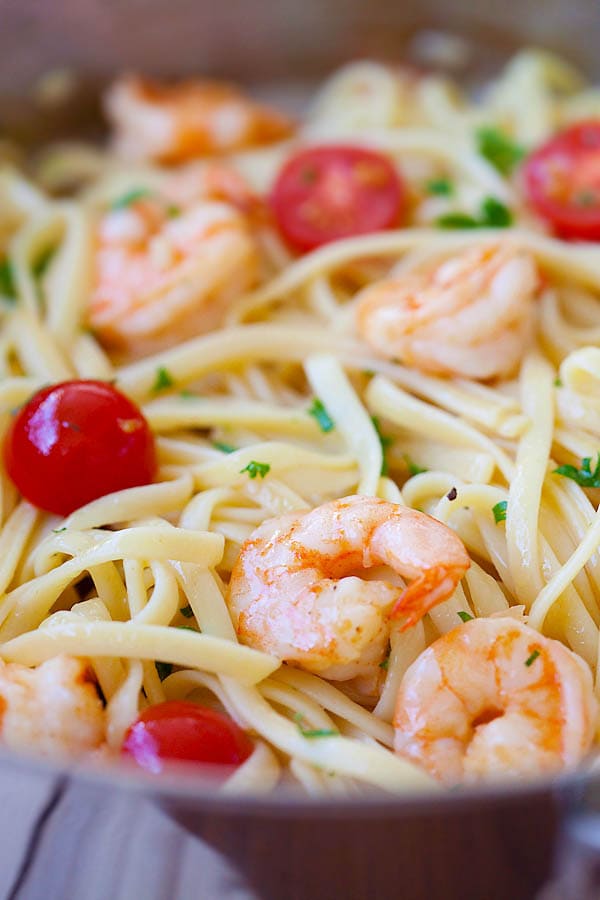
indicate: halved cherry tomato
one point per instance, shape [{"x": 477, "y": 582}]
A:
[
  {"x": 177, "y": 730},
  {"x": 562, "y": 180},
  {"x": 336, "y": 191},
  {"x": 76, "y": 441}
]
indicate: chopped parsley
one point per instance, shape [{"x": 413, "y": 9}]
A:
[
  {"x": 464, "y": 616},
  {"x": 164, "y": 670},
  {"x": 41, "y": 264},
  {"x": 385, "y": 663},
  {"x": 256, "y": 468},
  {"x": 412, "y": 467},
  {"x": 187, "y": 612},
  {"x": 187, "y": 395},
  {"x": 492, "y": 214},
  {"x": 313, "y": 732},
  {"x": 583, "y": 476},
  {"x": 224, "y": 448},
  {"x": 499, "y": 510},
  {"x": 164, "y": 380},
  {"x": 456, "y": 220},
  {"x": 173, "y": 211},
  {"x": 130, "y": 197},
  {"x": 186, "y": 628},
  {"x": 531, "y": 659},
  {"x": 58, "y": 530},
  {"x": 495, "y": 214},
  {"x": 318, "y": 412},
  {"x": 557, "y": 382},
  {"x": 7, "y": 281},
  {"x": 452, "y": 494},
  {"x": 442, "y": 187},
  {"x": 500, "y": 150},
  {"x": 385, "y": 442}
]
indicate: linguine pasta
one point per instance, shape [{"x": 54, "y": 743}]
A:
[{"x": 285, "y": 407}]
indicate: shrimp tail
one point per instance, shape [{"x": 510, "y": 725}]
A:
[{"x": 434, "y": 586}]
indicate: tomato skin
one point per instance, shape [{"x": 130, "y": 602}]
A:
[
  {"x": 76, "y": 441},
  {"x": 335, "y": 191},
  {"x": 178, "y": 730},
  {"x": 562, "y": 181}
]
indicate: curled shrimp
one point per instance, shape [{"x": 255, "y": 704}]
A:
[
  {"x": 296, "y": 590},
  {"x": 494, "y": 697},
  {"x": 161, "y": 278},
  {"x": 471, "y": 316},
  {"x": 172, "y": 123},
  {"x": 53, "y": 709}
]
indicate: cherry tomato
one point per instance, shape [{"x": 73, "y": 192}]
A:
[
  {"x": 185, "y": 731},
  {"x": 76, "y": 441},
  {"x": 336, "y": 191},
  {"x": 562, "y": 180}
]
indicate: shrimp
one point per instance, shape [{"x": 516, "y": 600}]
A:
[
  {"x": 163, "y": 278},
  {"x": 53, "y": 709},
  {"x": 296, "y": 590},
  {"x": 172, "y": 123},
  {"x": 472, "y": 316},
  {"x": 494, "y": 697}
]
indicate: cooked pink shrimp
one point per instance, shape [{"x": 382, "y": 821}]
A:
[
  {"x": 53, "y": 710},
  {"x": 172, "y": 123},
  {"x": 494, "y": 697},
  {"x": 162, "y": 278},
  {"x": 471, "y": 316},
  {"x": 296, "y": 590}
]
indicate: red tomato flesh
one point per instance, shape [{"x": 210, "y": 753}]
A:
[
  {"x": 177, "y": 730},
  {"x": 335, "y": 191},
  {"x": 77, "y": 441},
  {"x": 562, "y": 181}
]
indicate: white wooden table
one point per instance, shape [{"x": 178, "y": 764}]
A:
[{"x": 61, "y": 840}]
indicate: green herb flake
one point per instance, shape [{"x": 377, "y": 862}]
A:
[
  {"x": 130, "y": 197},
  {"x": 464, "y": 616},
  {"x": 557, "y": 382},
  {"x": 531, "y": 659},
  {"x": 186, "y": 628},
  {"x": 58, "y": 530},
  {"x": 492, "y": 214},
  {"x": 385, "y": 440},
  {"x": 256, "y": 468},
  {"x": 495, "y": 214},
  {"x": 7, "y": 281},
  {"x": 187, "y": 395},
  {"x": 385, "y": 663},
  {"x": 499, "y": 149},
  {"x": 412, "y": 467},
  {"x": 499, "y": 510},
  {"x": 224, "y": 448},
  {"x": 173, "y": 211},
  {"x": 457, "y": 220},
  {"x": 368, "y": 373},
  {"x": 583, "y": 476},
  {"x": 441, "y": 187},
  {"x": 164, "y": 670},
  {"x": 164, "y": 380},
  {"x": 41, "y": 264},
  {"x": 313, "y": 732},
  {"x": 187, "y": 612},
  {"x": 318, "y": 412}
]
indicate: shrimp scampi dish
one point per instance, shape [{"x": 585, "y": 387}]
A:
[{"x": 301, "y": 434}]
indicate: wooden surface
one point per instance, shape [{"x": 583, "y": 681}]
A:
[{"x": 65, "y": 841}]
